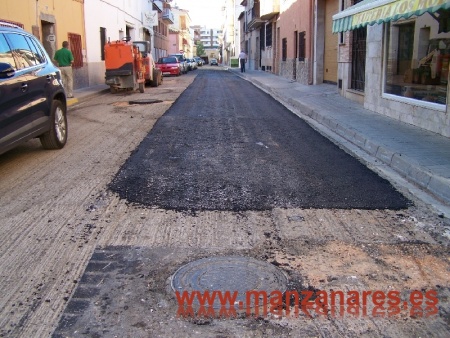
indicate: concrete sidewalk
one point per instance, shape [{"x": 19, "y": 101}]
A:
[
  {"x": 419, "y": 156},
  {"x": 86, "y": 93}
]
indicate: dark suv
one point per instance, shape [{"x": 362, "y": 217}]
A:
[{"x": 32, "y": 98}]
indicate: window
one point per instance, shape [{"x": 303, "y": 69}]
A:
[
  {"x": 6, "y": 54},
  {"x": 262, "y": 35},
  {"x": 23, "y": 55},
  {"x": 75, "y": 47},
  {"x": 102, "y": 42},
  {"x": 358, "y": 71},
  {"x": 269, "y": 34},
  {"x": 301, "y": 46},
  {"x": 36, "y": 51},
  {"x": 284, "y": 49},
  {"x": 417, "y": 60}
]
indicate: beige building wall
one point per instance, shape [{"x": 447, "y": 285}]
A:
[{"x": 51, "y": 21}]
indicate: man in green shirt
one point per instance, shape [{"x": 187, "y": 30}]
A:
[{"x": 64, "y": 58}]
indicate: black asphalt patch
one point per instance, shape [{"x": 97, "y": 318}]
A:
[{"x": 226, "y": 145}]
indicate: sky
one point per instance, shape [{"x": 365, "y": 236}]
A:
[{"x": 203, "y": 12}]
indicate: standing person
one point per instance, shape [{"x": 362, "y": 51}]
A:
[
  {"x": 64, "y": 58},
  {"x": 242, "y": 60}
]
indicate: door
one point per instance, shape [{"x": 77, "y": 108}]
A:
[{"x": 331, "y": 43}]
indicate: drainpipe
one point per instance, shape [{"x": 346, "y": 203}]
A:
[{"x": 312, "y": 43}]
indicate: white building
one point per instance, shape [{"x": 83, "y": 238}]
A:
[
  {"x": 110, "y": 20},
  {"x": 231, "y": 32},
  {"x": 211, "y": 40}
]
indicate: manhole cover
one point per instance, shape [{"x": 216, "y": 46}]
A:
[
  {"x": 242, "y": 278},
  {"x": 145, "y": 101}
]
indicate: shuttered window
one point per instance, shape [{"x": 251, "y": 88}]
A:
[
  {"x": 76, "y": 48},
  {"x": 301, "y": 46}
]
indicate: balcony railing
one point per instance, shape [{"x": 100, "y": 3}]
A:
[
  {"x": 168, "y": 16},
  {"x": 269, "y": 8},
  {"x": 254, "y": 17}
]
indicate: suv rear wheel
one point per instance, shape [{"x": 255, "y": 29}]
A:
[{"x": 56, "y": 137}]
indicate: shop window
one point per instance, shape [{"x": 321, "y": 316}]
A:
[{"x": 417, "y": 60}]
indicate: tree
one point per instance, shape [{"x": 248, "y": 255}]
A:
[{"x": 200, "y": 48}]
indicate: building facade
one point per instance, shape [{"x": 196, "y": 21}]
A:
[
  {"x": 231, "y": 32},
  {"x": 211, "y": 40},
  {"x": 139, "y": 20},
  {"x": 390, "y": 55},
  {"x": 294, "y": 31},
  {"x": 161, "y": 31},
  {"x": 52, "y": 23},
  {"x": 180, "y": 39},
  {"x": 291, "y": 38},
  {"x": 394, "y": 58}
]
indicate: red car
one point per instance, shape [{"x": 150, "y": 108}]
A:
[{"x": 169, "y": 65}]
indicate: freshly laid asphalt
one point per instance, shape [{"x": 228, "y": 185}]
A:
[
  {"x": 420, "y": 157},
  {"x": 226, "y": 145}
]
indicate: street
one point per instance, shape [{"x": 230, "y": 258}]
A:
[{"x": 92, "y": 234}]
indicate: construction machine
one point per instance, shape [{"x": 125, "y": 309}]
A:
[
  {"x": 153, "y": 75},
  {"x": 128, "y": 67}
]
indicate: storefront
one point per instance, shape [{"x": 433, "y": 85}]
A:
[{"x": 407, "y": 58}]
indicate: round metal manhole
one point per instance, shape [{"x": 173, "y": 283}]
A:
[
  {"x": 242, "y": 278},
  {"x": 144, "y": 101}
]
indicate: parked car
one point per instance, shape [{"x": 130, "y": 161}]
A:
[
  {"x": 32, "y": 98},
  {"x": 199, "y": 60},
  {"x": 184, "y": 64},
  {"x": 213, "y": 62},
  {"x": 169, "y": 65},
  {"x": 192, "y": 64}
]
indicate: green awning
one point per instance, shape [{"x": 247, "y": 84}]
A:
[{"x": 369, "y": 12}]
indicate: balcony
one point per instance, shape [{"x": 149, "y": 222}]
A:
[
  {"x": 269, "y": 8},
  {"x": 254, "y": 17},
  {"x": 167, "y": 16},
  {"x": 158, "y": 6}
]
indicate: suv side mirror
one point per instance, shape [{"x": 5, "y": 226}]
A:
[{"x": 6, "y": 70}]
